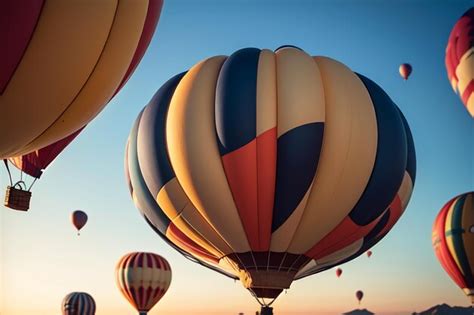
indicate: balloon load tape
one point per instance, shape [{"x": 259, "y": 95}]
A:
[{"x": 17, "y": 198}]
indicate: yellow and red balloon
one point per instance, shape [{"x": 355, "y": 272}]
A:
[
  {"x": 453, "y": 241},
  {"x": 460, "y": 59}
]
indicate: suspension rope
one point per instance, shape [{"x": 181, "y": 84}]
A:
[{"x": 8, "y": 170}]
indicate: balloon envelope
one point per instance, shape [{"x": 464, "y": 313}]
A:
[
  {"x": 64, "y": 64},
  {"x": 250, "y": 195},
  {"x": 338, "y": 272},
  {"x": 460, "y": 59},
  {"x": 453, "y": 241},
  {"x": 143, "y": 278},
  {"x": 79, "y": 219},
  {"x": 369, "y": 253},
  {"x": 35, "y": 162},
  {"x": 359, "y": 295},
  {"x": 78, "y": 303},
  {"x": 405, "y": 70}
]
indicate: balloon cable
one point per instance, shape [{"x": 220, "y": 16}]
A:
[{"x": 8, "y": 170}]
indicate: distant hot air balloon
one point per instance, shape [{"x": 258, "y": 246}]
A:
[
  {"x": 241, "y": 183},
  {"x": 143, "y": 278},
  {"x": 453, "y": 241},
  {"x": 64, "y": 64},
  {"x": 79, "y": 219},
  {"x": 369, "y": 253},
  {"x": 405, "y": 70},
  {"x": 78, "y": 303},
  {"x": 460, "y": 59},
  {"x": 359, "y": 296},
  {"x": 338, "y": 272}
]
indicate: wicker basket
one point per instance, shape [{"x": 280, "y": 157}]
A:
[{"x": 17, "y": 198}]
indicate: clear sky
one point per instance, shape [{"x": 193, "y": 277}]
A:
[{"x": 42, "y": 259}]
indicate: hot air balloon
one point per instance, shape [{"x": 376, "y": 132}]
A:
[
  {"x": 460, "y": 59},
  {"x": 359, "y": 296},
  {"x": 78, "y": 303},
  {"x": 338, "y": 272},
  {"x": 369, "y": 253},
  {"x": 143, "y": 278},
  {"x": 453, "y": 241},
  {"x": 64, "y": 64},
  {"x": 405, "y": 70},
  {"x": 18, "y": 195},
  {"x": 228, "y": 164},
  {"x": 78, "y": 219}
]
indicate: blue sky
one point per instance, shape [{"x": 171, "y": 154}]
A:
[{"x": 42, "y": 259}]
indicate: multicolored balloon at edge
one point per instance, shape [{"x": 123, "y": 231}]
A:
[
  {"x": 460, "y": 59},
  {"x": 453, "y": 241},
  {"x": 270, "y": 168}
]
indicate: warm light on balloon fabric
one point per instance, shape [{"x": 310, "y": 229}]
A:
[
  {"x": 453, "y": 241},
  {"x": 54, "y": 80},
  {"x": 271, "y": 166},
  {"x": 405, "y": 70},
  {"x": 460, "y": 59},
  {"x": 78, "y": 303},
  {"x": 143, "y": 279}
]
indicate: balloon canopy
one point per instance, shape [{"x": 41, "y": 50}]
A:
[
  {"x": 78, "y": 303},
  {"x": 405, "y": 70},
  {"x": 64, "y": 60},
  {"x": 359, "y": 295},
  {"x": 460, "y": 59},
  {"x": 271, "y": 166},
  {"x": 453, "y": 241},
  {"x": 143, "y": 278},
  {"x": 79, "y": 219}
]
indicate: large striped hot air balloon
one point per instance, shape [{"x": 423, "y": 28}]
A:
[
  {"x": 460, "y": 59},
  {"x": 62, "y": 61},
  {"x": 453, "y": 241},
  {"x": 78, "y": 303},
  {"x": 270, "y": 166},
  {"x": 143, "y": 278}
]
